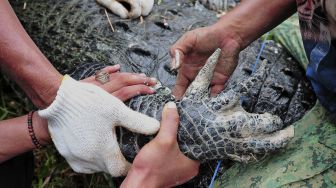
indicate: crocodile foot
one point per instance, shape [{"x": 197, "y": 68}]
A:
[{"x": 220, "y": 128}]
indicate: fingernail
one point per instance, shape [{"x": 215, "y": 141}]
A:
[
  {"x": 153, "y": 80},
  {"x": 152, "y": 90},
  {"x": 172, "y": 65},
  {"x": 177, "y": 59},
  {"x": 171, "y": 105},
  {"x": 116, "y": 66},
  {"x": 143, "y": 74}
]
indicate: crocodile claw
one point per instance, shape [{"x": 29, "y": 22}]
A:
[{"x": 219, "y": 128}]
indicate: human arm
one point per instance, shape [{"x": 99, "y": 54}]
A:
[
  {"x": 15, "y": 139},
  {"x": 21, "y": 59},
  {"x": 160, "y": 163},
  {"x": 232, "y": 33},
  {"x": 14, "y": 136},
  {"x": 81, "y": 117}
]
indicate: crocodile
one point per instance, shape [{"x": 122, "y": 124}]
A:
[
  {"x": 76, "y": 37},
  {"x": 211, "y": 127}
]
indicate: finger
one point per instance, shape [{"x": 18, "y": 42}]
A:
[
  {"x": 146, "y": 7},
  {"x": 120, "y": 80},
  {"x": 181, "y": 86},
  {"x": 179, "y": 90},
  {"x": 214, "y": 90},
  {"x": 169, "y": 122},
  {"x": 112, "y": 69},
  {"x": 108, "y": 69},
  {"x": 218, "y": 83},
  {"x": 131, "y": 91},
  {"x": 135, "y": 11},
  {"x": 116, "y": 7},
  {"x": 116, "y": 163},
  {"x": 184, "y": 44},
  {"x": 125, "y": 79},
  {"x": 135, "y": 121}
]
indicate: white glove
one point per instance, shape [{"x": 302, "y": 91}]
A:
[
  {"x": 136, "y": 7},
  {"x": 82, "y": 121}
]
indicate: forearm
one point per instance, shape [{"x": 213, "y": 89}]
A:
[
  {"x": 21, "y": 59},
  {"x": 15, "y": 138},
  {"x": 251, "y": 19}
]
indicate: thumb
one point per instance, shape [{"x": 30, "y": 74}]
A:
[{"x": 169, "y": 122}]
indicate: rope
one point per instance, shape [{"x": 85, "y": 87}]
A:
[{"x": 253, "y": 70}]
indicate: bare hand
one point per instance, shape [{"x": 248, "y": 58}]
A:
[
  {"x": 160, "y": 163},
  {"x": 192, "y": 50},
  {"x": 125, "y": 85}
]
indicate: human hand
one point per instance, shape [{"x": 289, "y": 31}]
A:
[
  {"x": 82, "y": 122},
  {"x": 124, "y": 85},
  {"x": 128, "y": 8},
  {"x": 160, "y": 163},
  {"x": 192, "y": 50}
]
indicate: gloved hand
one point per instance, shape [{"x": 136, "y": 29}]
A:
[
  {"x": 82, "y": 121},
  {"x": 128, "y": 8}
]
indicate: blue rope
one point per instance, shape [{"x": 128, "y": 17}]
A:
[
  {"x": 214, "y": 176},
  {"x": 254, "y": 69},
  {"x": 260, "y": 52}
]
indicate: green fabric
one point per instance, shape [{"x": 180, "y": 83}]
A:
[
  {"x": 309, "y": 159},
  {"x": 289, "y": 35}
]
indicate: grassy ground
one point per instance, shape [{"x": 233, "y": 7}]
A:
[{"x": 51, "y": 170}]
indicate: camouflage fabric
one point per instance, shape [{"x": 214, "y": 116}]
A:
[
  {"x": 289, "y": 35},
  {"x": 309, "y": 160}
]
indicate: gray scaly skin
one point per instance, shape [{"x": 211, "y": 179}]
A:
[{"x": 213, "y": 128}]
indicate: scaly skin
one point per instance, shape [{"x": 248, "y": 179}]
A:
[{"x": 214, "y": 128}]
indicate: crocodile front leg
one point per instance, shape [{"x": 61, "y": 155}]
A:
[{"x": 219, "y": 128}]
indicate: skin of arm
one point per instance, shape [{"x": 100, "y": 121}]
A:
[
  {"x": 251, "y": 19},
  {"x": 15, "y": 139},
  {"x": 232, "y": 33},
  {"x": 24, "y": 62}
]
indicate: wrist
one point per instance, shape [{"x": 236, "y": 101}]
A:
[
  {"x": 229, "y": 35},
  {"x": 140, "y": 177},
  {"x": 45, "y": 95},
  {"x": 41, "y": 129}
]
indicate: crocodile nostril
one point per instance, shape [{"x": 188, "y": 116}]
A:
[
  {"x": 163, "y": 25},
  {"x": 247, "y": 70},
  {"x": 122, "y": 25}
]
